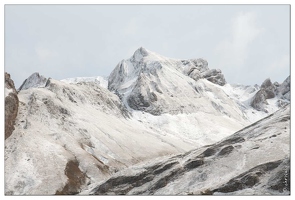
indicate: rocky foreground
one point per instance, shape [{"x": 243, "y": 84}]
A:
[{"x": 253, "y": 161}]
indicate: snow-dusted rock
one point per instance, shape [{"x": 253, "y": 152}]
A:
[
  {"x": 284, "y": 89},
  {"x": 269, "y": 89},
  {"x": 35, "y": 80},
  {"x": 200, "y": 64},
  {"x": 214, "y": 76},
  {"x": 253, "y": 161},
  {"x": 11, "y": 105},
  {"x": 259, "y": 100},
  {"x": 155, "y": 84},
  {"x": 280, "y": 92}
]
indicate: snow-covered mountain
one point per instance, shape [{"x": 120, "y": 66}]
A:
[
  {"x": 155, "y": 84},
  {"x": 72, "y": 135}
]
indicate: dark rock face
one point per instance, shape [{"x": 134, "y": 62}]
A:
[
  {"x": 267, "y": 91},
  {"x": 268, "y": 88},
  {"x": 259, "y": 100},
  {"x": 76, "y": 178},
  {"x": 214, "y": 76},
  {"x": 226, "y": 150},
  {"x": 279, "y": 181},
  {"x": 284, "y": 89},
  {"x": 11, "y": 106},
  {"x": 191, "y": 164},
  {"x": 124, "y": 183}
]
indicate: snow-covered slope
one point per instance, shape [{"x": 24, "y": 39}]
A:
[
  {"x": 253, "y": 161},
  {"x": 84, "y": 126},
  {"x": 174, "y": 100},
  {"x": 102, "y": 81}
]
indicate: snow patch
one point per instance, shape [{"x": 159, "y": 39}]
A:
[{"x": 102, "y": 81}]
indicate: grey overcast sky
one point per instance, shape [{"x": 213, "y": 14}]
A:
[{"x": 249, "y": 43}]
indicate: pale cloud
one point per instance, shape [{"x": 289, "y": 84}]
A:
[
  {"x": 44, "y": 54},
  {"x": 131, "y": 27},
  {"x": 234, "y": 50}
]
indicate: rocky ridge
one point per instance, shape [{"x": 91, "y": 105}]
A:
[
  {"x": 269, "y": 90},
  {"x": 11, "y": 105},
  {"x": 35, "y": 80},
  {"x": 240, "y": 158},
  {"x": 147, "y": 82}
]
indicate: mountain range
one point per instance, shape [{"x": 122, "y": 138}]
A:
[{"x": 155, "y": 125}]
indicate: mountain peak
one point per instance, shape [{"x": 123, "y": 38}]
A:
[
  {"x": 35, "y": 80},
  {"x": 140, "y": 53}
]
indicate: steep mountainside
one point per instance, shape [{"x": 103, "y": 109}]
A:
[
  {"x": 253, "y": 161},
  {"x": 81, "y": 125}
]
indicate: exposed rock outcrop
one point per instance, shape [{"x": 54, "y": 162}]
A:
[
  {"x": 259, "y": 100},
  {"x": 11, "y": 105},
  {"x": 35, "y": 80},
  {"x": 198, "y": 68},
  {"x": 284, "y": 89},
  {"x": 214, "y": 76},
  {"x": 269, "y": 90}
]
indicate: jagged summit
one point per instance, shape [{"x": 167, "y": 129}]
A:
[
  {"x": 150, "y": 82},
  {"x": 277, "y": 93},
  {"x": 35, "y": 80},
  {"x": 140, "y": 53}
]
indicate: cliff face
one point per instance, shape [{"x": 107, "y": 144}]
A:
[{"x": 11, "y": 105}]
